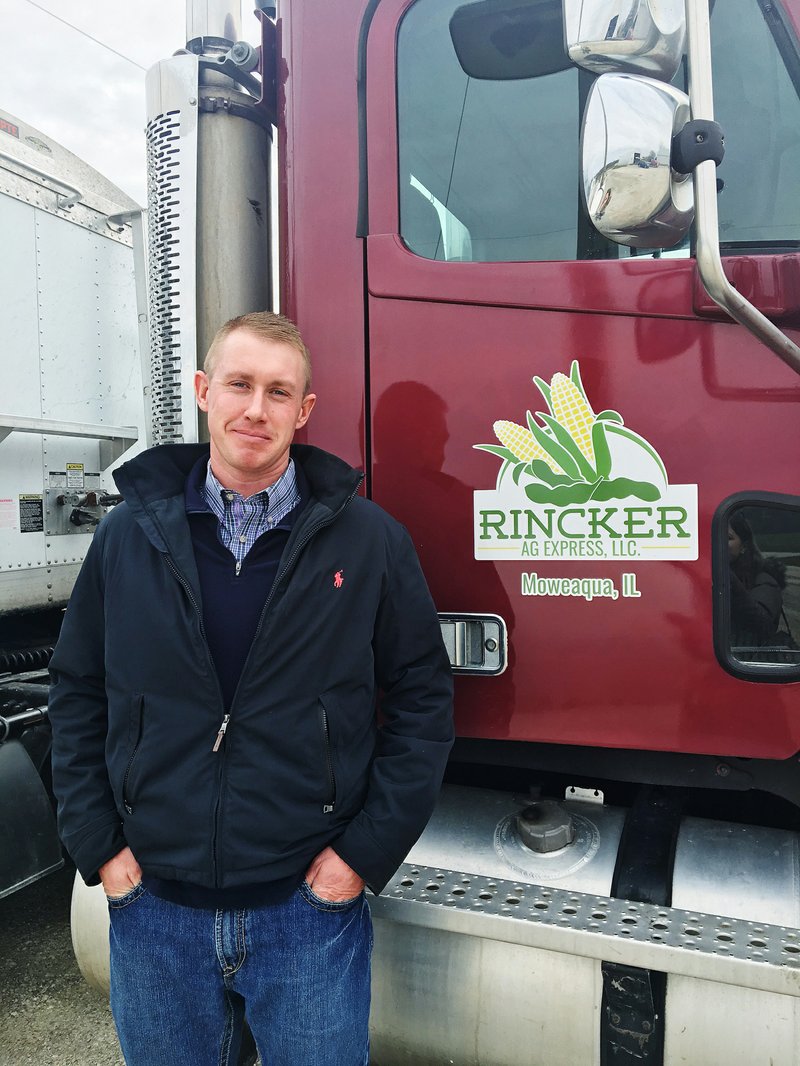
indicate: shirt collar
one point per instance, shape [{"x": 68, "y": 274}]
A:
[{"x": 281, "y": 493}]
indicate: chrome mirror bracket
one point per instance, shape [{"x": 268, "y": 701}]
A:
[{"x": 709, "y": 261}]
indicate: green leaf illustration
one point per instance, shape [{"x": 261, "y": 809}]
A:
[
  {"x": 565, "y": 439},
  {"x": 517, "y": 472},
  {"x": 575, "y": 378},
  {"x": 602, "y": 456},
  {"x": 545, "y": 390},
  {"x": 496, "y": 449},
  {"x": 539, "y": 469},
  {"x": 622, "y": 488},
  {"x": 610, "y": 416},
  {"x": 578, "y": 492},
  {"x": 562, "y": 457},
  {"x": 504, "y": 471}
]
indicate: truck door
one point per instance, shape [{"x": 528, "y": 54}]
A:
[{"x": 483, "y": 275}]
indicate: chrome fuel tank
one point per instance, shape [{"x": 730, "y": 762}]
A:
[
  {"x": 444, "y": 997},
  {"x": 735, "y": 871}
]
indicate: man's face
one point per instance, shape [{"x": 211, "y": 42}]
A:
[{"x": 254, "y": 401}]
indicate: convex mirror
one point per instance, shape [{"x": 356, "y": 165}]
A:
[
  {"x": 635, "y": 36},
  {"x": 631, "y": 193}
]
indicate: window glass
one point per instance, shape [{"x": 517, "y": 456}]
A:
[
  {"x": 757, "y": 106},
  {"x": 500, "y": 156},
  {"x": 763, "y": 614},
  {"x": 489, "y": 169}
]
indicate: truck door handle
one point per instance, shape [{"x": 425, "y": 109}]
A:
[{"x": 475, "y": 643}]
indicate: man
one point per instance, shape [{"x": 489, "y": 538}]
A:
[{"x": 216, "y": 755}]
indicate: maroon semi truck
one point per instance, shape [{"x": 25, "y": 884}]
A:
[{"x": 500, "y": 230}]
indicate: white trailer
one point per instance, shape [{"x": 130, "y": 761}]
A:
[{"x": 71, "y": 403}]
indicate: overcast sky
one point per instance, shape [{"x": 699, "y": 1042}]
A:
[{"x": 81, "y": 94}]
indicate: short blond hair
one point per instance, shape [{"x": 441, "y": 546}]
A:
[{"x": 270, "y": 327}]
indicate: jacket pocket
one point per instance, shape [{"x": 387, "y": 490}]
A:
[
  {"x": 327, "y": 751},
  {"x": 137, "y": 723}
]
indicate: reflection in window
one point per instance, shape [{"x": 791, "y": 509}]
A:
[
  {"x": 764, "y": 561},
  {"x": 453, "y": 237}
]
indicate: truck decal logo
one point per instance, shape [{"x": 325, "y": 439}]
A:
[{"x": 573, "y": 484}]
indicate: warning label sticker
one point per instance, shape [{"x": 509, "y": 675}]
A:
[
  {"x": 75, "y": 475},
  {"x": 31, "y": 513}
]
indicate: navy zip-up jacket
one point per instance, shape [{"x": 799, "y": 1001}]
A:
[{"x": 305, "y": 762}]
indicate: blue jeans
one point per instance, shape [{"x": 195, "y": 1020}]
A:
[{"x": 183, "y": 979}]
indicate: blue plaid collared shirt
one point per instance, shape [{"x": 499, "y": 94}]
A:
[{"x": 242, "y": 519}]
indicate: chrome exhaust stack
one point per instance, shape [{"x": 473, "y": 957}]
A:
[{"x": 208, "y": 153}]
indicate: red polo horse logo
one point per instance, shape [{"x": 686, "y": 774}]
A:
[{"x": 338, "y": 579}]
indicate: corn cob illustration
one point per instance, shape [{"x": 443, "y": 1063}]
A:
[
  {"x": 573, "y": 412},
  {"x": 522, "y": 443}
]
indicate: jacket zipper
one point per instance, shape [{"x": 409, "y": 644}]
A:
[
  {"x": 327, "y": 808},
  {"x": 222, "y": 731},
  {"x": 125, "y": 798},
  {"x": 188, "y": 590},
  {"x": 225, "y": 718}
]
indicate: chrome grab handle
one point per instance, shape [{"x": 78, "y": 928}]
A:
[{"x": 63, "y": 202}]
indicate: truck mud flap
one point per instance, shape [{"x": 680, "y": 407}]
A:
[{"x": 29, "y": 845}]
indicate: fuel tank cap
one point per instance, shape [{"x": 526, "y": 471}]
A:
[{"x": 545, "y": 826}]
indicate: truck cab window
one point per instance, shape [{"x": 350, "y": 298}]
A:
[
  {"x": 760, "y": 622},
  {"x": 493, "y": 156},
  {"x": 756, "y": 72},
  {"x": 500, "y": 155}
]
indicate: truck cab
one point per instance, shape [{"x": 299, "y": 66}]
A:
[{"x": 596, "y": 463}]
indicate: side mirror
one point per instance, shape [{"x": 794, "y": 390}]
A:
[
  {"x": 507, "y": 39},
  {"x": 637, "y": 36},
  {"x": 631, "y": 193}
]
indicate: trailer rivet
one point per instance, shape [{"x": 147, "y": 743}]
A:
[{"x": 723, "y": 770}]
